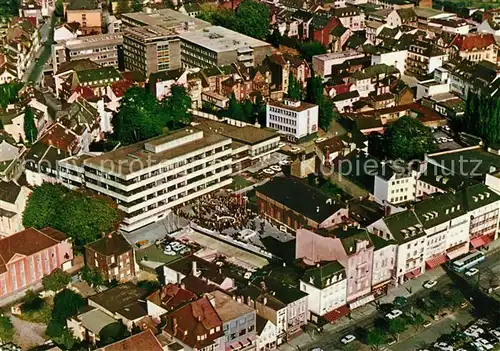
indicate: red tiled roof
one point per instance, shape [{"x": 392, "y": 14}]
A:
[
  {"x": 138, "y": 342},
  {"x": 193, "y": 320},
  {"x": 26, "y": 242},
  {"x": 119, "y": 88},
  {"x": 475, "y": 41},
  {"x": 60, "y": 137},
  {"x": 32, "y": 20},
  {"x": 171, "y": 296},
  {"x": 84, "y": 92}
]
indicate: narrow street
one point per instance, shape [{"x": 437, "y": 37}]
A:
[{"x": 35, "y": 70}]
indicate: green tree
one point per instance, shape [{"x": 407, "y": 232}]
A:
[
  {"x": 59, "y": 9},
  {"x": 149, "y": 285},
  {"x": 139, "y": 117},
  {"x": 315, "y": 95},
  {"x": 252, "y": 19},
  {"x": 66, "y": 304},
  {"x": 112, "y": 333},
  {"x": 6, "y": 329},
  {"x": 9, "y": 8},
  {"x": 408, "y": 139},
  {"x": 247, "y": 108},
  {"x": 294, "y": 88},
  {"x": 43, "y": 205},
  {"x": 136, "y": 5},
  {"x": 234, "y": 109},
  {"x": 275, "y": 38},
  {"x": 309, "y": 49},
  {"x": 83, "y": 217},
  {"x": 92, "y": 276},
  {"x": 259, "y": 110},
  {"x": 376, "y": 337},
  {"x": 177, "y": 105},
  {"x": 9, "y": 93},
  {"x": 418, "y": 321},
  {"x": 217, "y": 16},
  {"x": 56, "y": 280},
  {"x": 31, "y": 302},
  {"x": 29, "y": 125},
  {"x": 396, "y": 326}
]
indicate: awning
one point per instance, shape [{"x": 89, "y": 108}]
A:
[
  {"x": 235, "y": 345},
  {"x": 362, "y": 301},
  {"x": 337, "y": 313},
  {"x": 480, "y": 241},
  {"x": 252, "y": 338},
  {"x": 245, "y": 342},
  {"x": 382, "y": 284},
  {"x": 436, "y": 261},
  {"x": 412, "y": 274},
  {"x": 454, "y": 254}
]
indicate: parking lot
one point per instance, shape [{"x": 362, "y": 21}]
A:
[{"x": 444, "y": 139}]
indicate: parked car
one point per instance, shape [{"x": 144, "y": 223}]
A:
[
  {"x": 471, "y": 272},
  {"x": 495, "y": 333},
  {"x": 400, "y": 301},
  {"x": 394, "y": 314},
  {"x": 427, "y": 324},
  {"x": 485, "y": 343},
  {"x": 347, "y": 339},
  {"x": 429, "y": 284},
  {"x": 443, "y": 346},
  {"x": 276, "y": 168}
]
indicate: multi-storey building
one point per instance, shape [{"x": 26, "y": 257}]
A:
[
  {"x": 238, "y": 321},
  {"x": 348, "y": 245},
  {"x": 87, "y": 13},
  {"x": 384, "y": 260},
  {"x": 113, "y": 256},
  {"x": 13, "y": 199},
  {"x": 350, "y": 17},
  {"x": 165, "y": 18},
  {"x": 151, "y": 49},
  {"x": 423, "y": 58},
  {"x": 147, "y": 179},
  {"x": 394, "y": 187},
  {"x": 475, "y": 47},
  {"x": 102, "y": 49},
  {"x": 217, "y": 46},
  {"x": 296, "y": 119},
  {"x": 326, "y": 286},
  {"x": 322, "y": 64},
  {"x": 25, "y": 265}
]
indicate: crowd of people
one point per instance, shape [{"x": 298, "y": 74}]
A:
[{"x": 219, "y": 211}]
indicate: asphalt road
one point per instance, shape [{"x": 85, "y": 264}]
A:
[{"x": 330, "y": 341}]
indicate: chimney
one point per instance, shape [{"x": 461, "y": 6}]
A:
[
  {"x": 387, "y": 211},
  {"x": 265, "y": 301},
  {"x": 174, "y": 325},
  {"x": 194, "y": 270},
  {"x": 183, "y": 286}
]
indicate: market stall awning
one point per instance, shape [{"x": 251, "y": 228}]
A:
[
  {"x": 337, "y": 313},
  {"x": 480, "y": 241},
  {"x": 436, "y": 261}
]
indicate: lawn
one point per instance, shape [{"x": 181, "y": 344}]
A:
[
  {"x": 41, "y": 315},
  {"x": 240, "y": 182}
]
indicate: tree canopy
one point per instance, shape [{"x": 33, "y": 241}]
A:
[
  {"x": 66, "y": 304},
  {"x": 250, "y": 18},
  {"x": 6, "y": 329},
  {"x": 56, "y": 280},
  {"x": 376, "y": 337},
  {"x": 92, "y": 276},
  {"x": 136, "y": 5},
  {"x": 29, "y": 125},
  {"x": 112, "y": 333},
  {"x": 141, "y": 116},
  {"x": 294, "y": 88},
  {"x": 9, "y": 8},
  {"x": 83, "y": 217},
  {"x": 9, "y": 93},
  {"x": 408, "y": 139},
  {"x": 310, "y": 48},
  {"x": 315, "y": 95},
  {"x": 481, "y": 117}
]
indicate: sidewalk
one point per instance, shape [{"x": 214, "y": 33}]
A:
[{"x": 407, "y": 289}]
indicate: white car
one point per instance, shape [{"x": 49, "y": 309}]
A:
[
  {"x": 430, "y": 284},
  {"x": 485, "y": 343},
  {"x": 471, "y": 272},
  {"x": 268, "y": 171},
  {"x": 495, "y": 333},
  {"x": 443, "y": 346},
  {"x": 394, "y": 314},
  {"x": 284, "y": 162},
  {"x": 473, "y": 331},
  {"x": 347, "y": 339},
  {"x": 276, "y": 168}
]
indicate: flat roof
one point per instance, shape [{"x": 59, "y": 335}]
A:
[
  {"x": 302, "y": 107},
  {"x": 94, "y": 41},
  {"x": 166, "y": 18},
  {"x": 246, "y": 135},
  {"x": 149, "y": 32},
  {"x": 132, "y": 158},
  {"x": 220, "y": 39},
  {"x": 338, "y": 55}
]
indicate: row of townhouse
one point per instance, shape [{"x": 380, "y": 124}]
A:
[{"x": 21, "y": 43}]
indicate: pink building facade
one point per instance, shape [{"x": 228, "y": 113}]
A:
[
  {"x": 352, "y": 248},
  {"x": 31, "y": 254}
]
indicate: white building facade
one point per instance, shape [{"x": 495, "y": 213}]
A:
[{"x": 295, "y": 119}]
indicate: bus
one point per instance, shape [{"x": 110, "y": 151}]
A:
[{"x": 467, "y": 261}]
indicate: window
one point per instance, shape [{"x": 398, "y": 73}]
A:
[{"x": 243, "y": 332}]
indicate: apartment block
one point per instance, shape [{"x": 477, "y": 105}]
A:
[
  {"x": 218, "y": 46},
  {"x": 151, "y": 49},
  {"x": 102, "y": 49},
  {"x": 149, "y": 178},
  {"x": 165, "y": 18},
  {"x": 295, "y": 119}
]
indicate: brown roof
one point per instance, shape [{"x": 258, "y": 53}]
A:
[
  {"x": 171, "y": 296},
  {"x": 138, "y": 342},
  {"x": 112, "y": 244},
  {"x": 60, "y": 137},
  {"x": 197, "y": 285},
  {"x": 193, "y": 320},
  {"x": 475, "y": 41},
  {"x": 54, "y": 234},
  {"x": 302, "y": 107},
  {"x": 16, "y": 244}
]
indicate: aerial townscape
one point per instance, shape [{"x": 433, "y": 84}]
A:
[{"x": 250, "y": 175}]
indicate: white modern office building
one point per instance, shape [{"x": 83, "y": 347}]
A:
[
  {"x": 296, "y": 119},
  {"x": 149, "y": 178}
]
